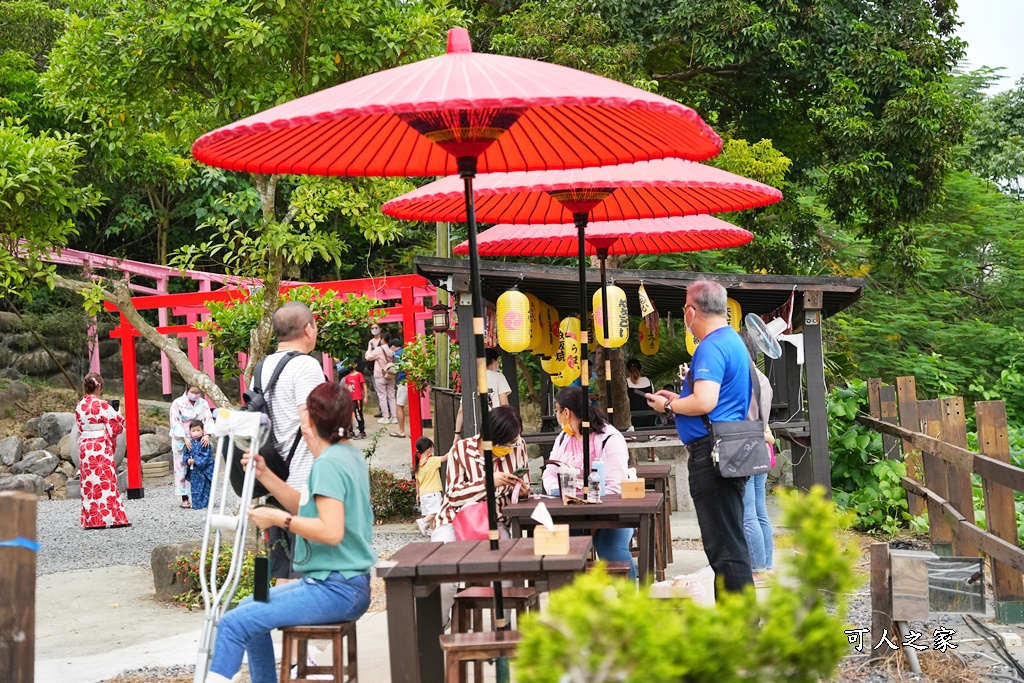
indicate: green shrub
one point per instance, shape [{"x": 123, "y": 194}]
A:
[
  {"x": 187, "y": 568},
  {"x": 600, "y": 629},
  {"x": 393, "y": 498}
]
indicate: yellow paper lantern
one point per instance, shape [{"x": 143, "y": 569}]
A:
[
  {"x": 618, "y": 320},
  {"x": 570, "y": 371},
  {"x": 650, "y": 340},
  {"x": 733, "y": 314},
  {"x": 570, "y": 327},
  {"x": 538, "y": 340},
  {"x": 513, "y": 321}
]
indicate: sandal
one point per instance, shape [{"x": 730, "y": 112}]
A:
[
  {"x": 185, "y": 505},
  {"x": 398, "y": 436}
]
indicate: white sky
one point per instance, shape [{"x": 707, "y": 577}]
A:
[{"x": 992, "y": 29}]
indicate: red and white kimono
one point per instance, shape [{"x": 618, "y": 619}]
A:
[{"x": 99, "y": 424}]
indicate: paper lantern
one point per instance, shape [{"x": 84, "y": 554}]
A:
[
  {"x": 618, "y": 320},
  {"x": 551, "y": 322},
  {"x": 570, "y": 327},
  {"x": 537, "y": 340},
  {"x": 734, "y": 316},
  {"x": 650, "y": 339},
  {"x": 570, "y": 370},
  {"x": 513, "y": 321}
]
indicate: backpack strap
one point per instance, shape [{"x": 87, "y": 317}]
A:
[{"x": 270, "y": 385}]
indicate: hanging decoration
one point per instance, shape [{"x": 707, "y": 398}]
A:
[
  {"x": 490, "y": 326},
  {"x": 618, "y": 321},
  {"x": 538, "y": 340},
  {"x": 734, "y": 315},
  {"x": 650, "y": 337},
  {"x": 513, "y": 321},
  {"x": 568, "y": 352}
]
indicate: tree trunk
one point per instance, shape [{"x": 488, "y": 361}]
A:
[
  {"x": 530, "y": 388},
  {"x": 120, "y": 296},
  {"x": 259, "y": 338}
]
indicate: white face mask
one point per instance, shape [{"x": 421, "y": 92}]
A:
[{"x": 374, "y": 331}]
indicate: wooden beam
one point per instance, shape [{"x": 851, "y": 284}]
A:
[
  {"x": 881, "y": 598},
  {"x": 18, "y": 588},
  {"x": 909, "y": 417},
  {"x": 1000, "y": 511},
  {"x": 935, "y": 477},
  {"x": 817, "y": 407},
  {"x": 961, "y": 493}
]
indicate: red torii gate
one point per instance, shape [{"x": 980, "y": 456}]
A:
[{"x": 410, "y": 289}]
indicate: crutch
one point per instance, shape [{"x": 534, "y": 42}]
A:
[{"x": 247, "y": 431}]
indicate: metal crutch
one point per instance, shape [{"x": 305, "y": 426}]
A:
[{"x": 246, "y": 430}]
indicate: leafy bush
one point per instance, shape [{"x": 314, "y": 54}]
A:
[
  {"x": 393, "y": 499},
  {"x": 601, "y": 629},
  {"x": 187, "y": 568},
  {"x": 863, "y": 481},
  {"x": 418, "y": 360}
]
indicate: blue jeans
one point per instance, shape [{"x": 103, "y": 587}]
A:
[
  {"x": 612, "y": 545},
  {"x": 246, "y": 628},
  {"x": 756, "y": 526},
  {"x": 718, "y": 502}
]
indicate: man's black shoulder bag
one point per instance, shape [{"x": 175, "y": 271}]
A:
[
  {"x": 738, "y": 448},
  {"x": 255, "y": 400}
]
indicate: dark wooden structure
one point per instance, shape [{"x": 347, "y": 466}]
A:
[
  {"x": 799, "y": 397},
  {"x": 18, "y": 588}
]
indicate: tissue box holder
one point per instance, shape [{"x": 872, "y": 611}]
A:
[
  {"x": 548, "y": 542},
  {"x": 633, "y": 488}
]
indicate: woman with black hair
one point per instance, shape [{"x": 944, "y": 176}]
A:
[
  {"x": 332, "y": 521},
  {"x": 607, "y": 445}
]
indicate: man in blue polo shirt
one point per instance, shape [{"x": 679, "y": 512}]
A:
[{"x": 717, "y": 385}]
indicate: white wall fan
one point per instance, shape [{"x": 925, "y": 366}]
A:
[{"x": 768, "y": 337}]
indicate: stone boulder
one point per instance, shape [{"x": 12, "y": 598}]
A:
[
  {"x": 31, "y": 427},
  {"x": 11, "y": 450},
  {"x": 42, "y": 463},
  {"x": 29, "y": 483},
  {"x": 53, "y": 426},
  {"x": 10, "y": 373},
  {"x": 154, "y": 445},
  {"x": 9, "y": 322},
  {"x": 68, "y": 469},
  {"x": 59, "y": 482},
  {"x": 13, "y": 393},
  {"x": 36, "y": 444},
  {"x": 39, "y": 362},
  {"x": 165, "y": 581}
]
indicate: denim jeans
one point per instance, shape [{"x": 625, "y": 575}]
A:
[
  {"x": 718, "y": 502},
  {"x": 307, "y": 601},
  {"x": 612, "y": 545},
  {"x": 756, "y": 526}
]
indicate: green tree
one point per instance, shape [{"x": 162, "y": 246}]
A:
[
  {"x": 145, "y": 80},
  {"x": 997, "y": 145}
]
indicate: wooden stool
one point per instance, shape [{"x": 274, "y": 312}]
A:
[
  {"x": 613, "y": 568},
  {"x": 296, "y": 639},
  {"x": 470, "y": 603},
  {"x": 475, "y": 647}
]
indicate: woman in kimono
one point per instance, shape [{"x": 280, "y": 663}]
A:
[
  {"x": 189, "y": 406},
  {"x": 98, "y": 426}
]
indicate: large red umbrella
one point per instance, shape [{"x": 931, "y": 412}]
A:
[
  {"x": 640, "y": 236},
  {"x": 461, "y": 112},
  {"x": 648, "y": 189}
]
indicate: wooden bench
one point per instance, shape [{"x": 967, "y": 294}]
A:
[
  {"x": 295, "y": 640},
  {"x": 613, "y": 568},
  {"x": 470, "y": 603},
  {"x": 476, "y": 647}
]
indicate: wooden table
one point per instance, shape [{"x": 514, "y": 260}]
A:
[
  {"x": 656, "y": 478},
  {"x": 412, "y": 577},
  {"x": 612, "y": 513}
]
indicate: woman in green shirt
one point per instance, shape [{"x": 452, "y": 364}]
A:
[{"x": 332, "y": 521}]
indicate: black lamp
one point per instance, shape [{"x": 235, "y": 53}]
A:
[{"x": 441, "y": 317}]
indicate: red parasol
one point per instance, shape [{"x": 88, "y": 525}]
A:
[
  {"x": 648, "y": 189},
  {"x": 641, "y": 236},
  {"x": 645, "y": 236}
]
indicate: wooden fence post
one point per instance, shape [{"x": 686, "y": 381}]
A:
[
  {"x": 936, "y": 479},
  {"x": 17, "y": 587},
  {"x": 1000, "y": 511},
  {"x": 906, "y": 393},
  {"x": 961, "y": 494},
  {"x": 881, "y": 598}
]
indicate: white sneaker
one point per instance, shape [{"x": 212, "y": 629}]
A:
[{"x": 422, "y": 524}]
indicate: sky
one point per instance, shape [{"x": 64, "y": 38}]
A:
[{"x": 992, "y": 29}]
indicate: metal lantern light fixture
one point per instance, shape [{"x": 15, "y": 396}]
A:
[{"x": 441, "y": 317}]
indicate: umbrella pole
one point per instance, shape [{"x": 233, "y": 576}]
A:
[
  {"x": 467, "y": 171},
  {"x": 581, "y": 219},
  {"x": 602, "y": 254}
]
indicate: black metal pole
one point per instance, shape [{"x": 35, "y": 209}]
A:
[
  {"x": 581, "y": 219},
  {"x": 467, "y": 171},
  {"x": 602, "y": 254}
]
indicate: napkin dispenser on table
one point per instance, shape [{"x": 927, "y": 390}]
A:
[
  {"x": 549, "y": 538},
  {"x": 633, "y": 487}
]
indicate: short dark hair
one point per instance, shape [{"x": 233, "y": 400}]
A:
[
  {"x": 491, "y": 355},
  {"x": 195, "y": 423},
  {"x": 634, "y": 363},
  {"x": 422, "y": 444},
  {"x": 330, "y": 411},
  {"x": 505, "y": 425},
  {"x": 291, "y": 319}
]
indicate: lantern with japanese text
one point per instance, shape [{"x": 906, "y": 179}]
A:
[
  {"x": 734, "y": 315},
  {"x": 618, "y": 320},
  {"x": 538, "y": 339},
  {"x": 650, "y": 337},
  {"x": 568, "y": 353},
  {"x": 513, "y": 321}
]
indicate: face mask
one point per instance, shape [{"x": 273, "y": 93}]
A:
[
  {"x": 193, "y": 398},
  {"x": 567, "y": 428},
  {"x": 500, "y": 451},
  {"x": 374, "y": 331}
]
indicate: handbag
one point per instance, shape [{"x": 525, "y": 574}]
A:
[
  {"x": 390, "y": 371},
  {"x": 470, "y": 522},
  {"x": 738, "y": 448}
]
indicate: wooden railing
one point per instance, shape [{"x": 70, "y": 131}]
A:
[{"x": 931, "y": 438}]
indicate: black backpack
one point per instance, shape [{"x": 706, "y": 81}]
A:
[{"x": 255, "y": 400}]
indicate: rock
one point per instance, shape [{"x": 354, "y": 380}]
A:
[
  {"x": 52, "y": 426},
  {"x": 31, "y": 427},
  {"x": 14, "y": 392},
  {"x": 42, "y": 463},
  {"x": 63, "y": 447},
  {"x": 36, "y": 444},
  {"x": 166, "y": 583},
  {"x": 68, "y": 469},
  {"x": 11, "y": 450},
  {"x": 39, "y": 362},
  {"x": 146, "y": 353},
  {"x": 10, "y": 373},
  {"x": 153, "y": 445},
  {"x": 59, "y": 482},
  {"x": 5, "y": 469},
  {"x": 109, "y": 347},
  {"x": 9, "y": 322},
  {"x": 29, "y": 483}
]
